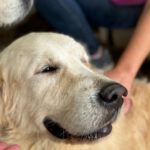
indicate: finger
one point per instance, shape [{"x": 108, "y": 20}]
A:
[
  {"x": 13, "y": 147},
  {"x": 2, "y": 146},
  {"x": 127, "y": 104}
]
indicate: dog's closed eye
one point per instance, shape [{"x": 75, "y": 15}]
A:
[{"x": 49, "y": 69}]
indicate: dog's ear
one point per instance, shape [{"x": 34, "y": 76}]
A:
[
  {"x": 2, "y": 101},
  {"x": 1, "y": 90},
  {"x": 6, "y": 106}
]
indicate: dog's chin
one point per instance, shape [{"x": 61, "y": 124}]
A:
[{"x": 56, "y": 130}]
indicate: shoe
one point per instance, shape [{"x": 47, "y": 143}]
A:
[{"x": 102, "y": 59}]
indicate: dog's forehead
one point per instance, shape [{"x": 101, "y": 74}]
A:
[
  {"x": 52, "y": 46},
  {"x": 39, "y": 47},
  {"x": 41, "y": 43},
  {"x": 56, "y": 45}
]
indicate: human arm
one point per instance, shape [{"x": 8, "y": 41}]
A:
[
  {"x": 135, "y": 53},
  {"x": 4, "y": 146}
]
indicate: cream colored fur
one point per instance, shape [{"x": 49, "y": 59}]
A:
[
  {"x": 27, "y": 96},
  {"x": 12, "y": 11}
]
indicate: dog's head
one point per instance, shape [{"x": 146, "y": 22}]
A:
[
  {"x": 12, "y": 11},
  {"x": 48, "y": 87}
]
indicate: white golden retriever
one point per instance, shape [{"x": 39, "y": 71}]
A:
[
  {"x": 13, "y": 11},
  {"x": 52, "y": 99}
]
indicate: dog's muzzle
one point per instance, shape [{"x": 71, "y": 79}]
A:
[{"x": 110, "y": 97}]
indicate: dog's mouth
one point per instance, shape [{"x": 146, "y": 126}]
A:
[{"x": 56, "y": 130}]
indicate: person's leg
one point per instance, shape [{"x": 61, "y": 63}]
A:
[
  {"x": 105, "y": 13},
  {"x": 67, "y": 17}
]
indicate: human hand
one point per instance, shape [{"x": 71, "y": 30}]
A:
[
  {"x": 122, "y": 77},
  {"x": 4, "y": 146}
]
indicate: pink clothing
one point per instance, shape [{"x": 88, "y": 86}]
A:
[{"x": 128, "y": 2}]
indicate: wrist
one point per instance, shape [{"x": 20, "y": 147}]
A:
[
  {"x": 126, "y": 70},
  {"x": 125, "y": 75}
]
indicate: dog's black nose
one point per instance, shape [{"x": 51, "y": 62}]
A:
[{"x": 112, "y": 94}]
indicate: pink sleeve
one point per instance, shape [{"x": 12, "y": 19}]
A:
[{"x": 128, "y": 2}]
